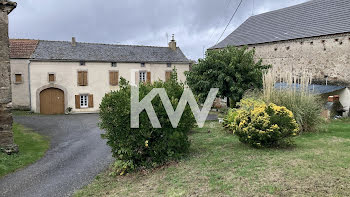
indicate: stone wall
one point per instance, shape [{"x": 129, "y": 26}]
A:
[
  {"x": 6, "y": 134},
  {"x": 322, "y": 56}
]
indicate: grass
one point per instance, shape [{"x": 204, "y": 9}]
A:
[
  {"x": 219, "y": 165},
  {"x": 32, "y": 147}
]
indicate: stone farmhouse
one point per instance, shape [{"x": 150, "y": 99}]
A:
[
  {"x": 312, "y": 37},
  {"x": 51, "y": 76}
]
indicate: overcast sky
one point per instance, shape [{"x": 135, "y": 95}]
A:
[{"x": 195, "y": 23}]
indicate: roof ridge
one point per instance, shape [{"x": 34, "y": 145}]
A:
[
  {"x": 94, "y": 43},
  {"x": 23, "y": 39}
]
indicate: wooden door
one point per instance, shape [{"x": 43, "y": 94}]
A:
[{"x": 52, "y": 101}]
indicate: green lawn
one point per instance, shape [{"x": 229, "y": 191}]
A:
[
  {"x": 219, "y": 165},
  {"x": 32, "y": 147}
]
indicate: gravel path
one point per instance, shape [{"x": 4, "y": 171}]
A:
[{"x": 77, "y": 154}]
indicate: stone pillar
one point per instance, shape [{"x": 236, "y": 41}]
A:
[{"x": 6, "y": 135}]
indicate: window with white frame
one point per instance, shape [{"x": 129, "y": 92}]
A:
[
  {"x": 84, "y": 101},
  {"x": 143, "y": 76}
]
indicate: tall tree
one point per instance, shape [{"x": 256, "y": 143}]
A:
[{"x": 233, "y": 70}]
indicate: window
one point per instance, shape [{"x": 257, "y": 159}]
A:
[
  {"x": 82, "y": 63},
  {"x": 114, "y": 64},
  {"x": 113, "y": 78},
  {"x": 168, "y": 75},
  {"x": 168, "y": 65},
  {"x": 84, "y": 101},
  {"x": 18, "y": 78},
  {"x": 143, "y": 65},
  {"x": 82, "y": 78},
  {"x": 143, "y": 76},
  {"x": 51, "y": 77}
]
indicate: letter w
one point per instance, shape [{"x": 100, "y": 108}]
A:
[{"x": 174, "y": 116}]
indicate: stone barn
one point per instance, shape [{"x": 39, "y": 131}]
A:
[{"x": 311, "y": 37}]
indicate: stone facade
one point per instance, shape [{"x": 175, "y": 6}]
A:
[
  {"x": 322, "y": 56},
  {"x": 97, "y": 76},
  {"x": 20, "y": 90},
  {"x": 6, "y": 135}
]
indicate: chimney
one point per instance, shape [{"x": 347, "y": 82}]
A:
[
  {"x": 74, "y": 42},
  {"x": 172, "y": 43}
]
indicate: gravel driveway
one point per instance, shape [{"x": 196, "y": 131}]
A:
[{"x": 77, "y": 154}]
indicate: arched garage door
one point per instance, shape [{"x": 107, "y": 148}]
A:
[{"x": 52, "y": 101}]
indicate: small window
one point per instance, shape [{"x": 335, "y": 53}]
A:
[
  {"x": 168, "y": 65},
  {"x": 143, "y": 76},
  {"x": 18, "y": 78},
  {"x": 82, "y": 63},
  {"x": 84, "y": 101},
  {"x": 114, "y": 64},
  {"x": 51, "y": 77},
  {"x": 82, "y": 78},
  {"x": 143, "y": 65}
]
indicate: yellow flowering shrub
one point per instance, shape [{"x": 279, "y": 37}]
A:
[
  {"x": 263, "y": 125},
  {"x": 228, "y": 121}
]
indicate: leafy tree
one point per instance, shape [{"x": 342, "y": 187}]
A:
[{"x": 232, "y": 70}]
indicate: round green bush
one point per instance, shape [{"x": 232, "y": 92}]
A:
[
  {"x": 145, "y": 146},
  {"x": 262, "y": 125}
]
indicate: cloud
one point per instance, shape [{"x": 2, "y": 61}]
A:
[{"x": 195, "y": 23}]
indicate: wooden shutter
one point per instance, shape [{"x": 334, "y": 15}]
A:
[
  {"x": 167, "y": 75},
  {"x": 77, "y": 101},
  {"x": 51, "y": 77},
  {"x": 85, "y": 78},
  {"x": 91, "y": 101},
  {"x": 148, "y": 77},
  {"x": 113, "y": 78},
  {"x": 80, "y": 78},
  {"x": 18, "y": 78}
]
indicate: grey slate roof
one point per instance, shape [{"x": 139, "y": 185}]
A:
[
  {"x": 317, "y": 89},
  {"x": 64, "y": 51},
  {"x": 309, "y": 19}
]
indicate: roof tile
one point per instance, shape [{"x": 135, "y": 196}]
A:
[
  {"x": 310, "y": 19},
  {"x": 64, "y": 51},
  {"x": 22, "y": 48}
]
